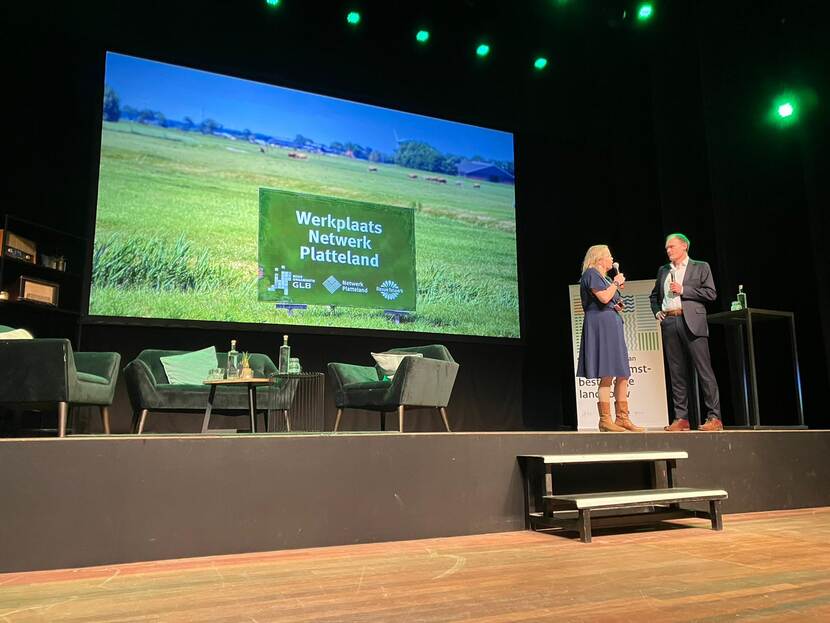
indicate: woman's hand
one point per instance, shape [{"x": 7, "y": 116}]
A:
[{"x": 619, "y": 280}]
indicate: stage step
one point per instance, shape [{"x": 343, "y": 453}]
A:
[
  {"x": 643, "y": 497},
  {"x": 547, "y": 509},
  {"x": 607, "y": 457}
]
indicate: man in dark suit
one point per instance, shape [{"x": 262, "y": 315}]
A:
[{"x": 682, "y": 288}]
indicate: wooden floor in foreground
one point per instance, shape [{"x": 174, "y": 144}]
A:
[{"x": 763, "y": 566}]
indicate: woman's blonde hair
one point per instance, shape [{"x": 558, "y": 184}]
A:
[{"x": 594, "y": 255}]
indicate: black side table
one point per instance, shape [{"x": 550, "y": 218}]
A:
[
  {"x": 743, "y": 320},
  {"x": 306, "y": 411}
]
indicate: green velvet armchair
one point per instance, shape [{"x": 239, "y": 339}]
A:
[
  {"x": 150, "y": 390},
  {"x": 420, "y": 382},
  {"x": 45, "y": 372}
]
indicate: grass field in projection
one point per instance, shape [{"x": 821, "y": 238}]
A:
[{"x": 176, "y": 233}]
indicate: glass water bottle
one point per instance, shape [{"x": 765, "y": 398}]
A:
[
  {"x": 742, "y": 297},
  {"x": 232, "y": 369},
  {"x": 285, "y": 355}
]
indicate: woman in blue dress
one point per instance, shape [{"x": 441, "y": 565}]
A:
[{"x": 602, "y": 351}]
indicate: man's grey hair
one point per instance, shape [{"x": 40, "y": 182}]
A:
[{"x": 681, "y": 238}]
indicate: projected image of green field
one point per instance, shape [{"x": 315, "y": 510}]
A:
[
  {"x": 176, "y": 233},
  {"x": 227, "y": 200}
]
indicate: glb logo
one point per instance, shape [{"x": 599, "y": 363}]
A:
[{"x": 283, "y": 277}]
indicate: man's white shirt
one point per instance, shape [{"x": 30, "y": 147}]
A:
[{"x": 670, "y": 299}]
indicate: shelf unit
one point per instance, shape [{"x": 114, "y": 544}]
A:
[
  {"x": 41, "y": 319},
  {"x": 44, "y": 319}
]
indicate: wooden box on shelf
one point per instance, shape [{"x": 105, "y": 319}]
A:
[
  {"x": 36, "y": 291},
  {"x": 48, "y": 277},
  {"x": 18, "y": 247}
]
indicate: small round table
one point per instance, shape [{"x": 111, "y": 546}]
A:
[{"x": 252, "y": 384}]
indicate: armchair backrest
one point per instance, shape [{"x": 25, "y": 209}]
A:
[
  {"x": 433, "y": 351},
  {"x": 152, "y": 358},
  {"x": 35, "y": 370}
]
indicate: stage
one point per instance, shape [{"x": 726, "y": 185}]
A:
[{"x": 93, "y": 500}]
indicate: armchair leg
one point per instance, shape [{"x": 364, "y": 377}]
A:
[
  {"x": 142, "y": 418},
  {"x": 443, "y": 411},
  {"x": 383, "y": 420},
  {"x": 105, "y": 418},
  {"x": 337, "y": 421},
  {"x": 63, "y": 415},
  {"x": 400, "y": 418},
  {"x": 287, "y": 421}
]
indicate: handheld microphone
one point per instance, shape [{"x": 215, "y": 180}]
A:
[
  {"x": 616, "y": 267},
  {"x": 671, "y": 273}
]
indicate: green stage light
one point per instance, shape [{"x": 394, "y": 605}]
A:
[
  {"x": 540, "y": 63},
  {"x": 785, "y": 109},
  {"x": 422, "y": 36},
  {"x": 482, "y": 50},
  {"x": 353, "y": 18},
  {"x": 272, "y": 3},
  {"x": 645, "y": 11}
]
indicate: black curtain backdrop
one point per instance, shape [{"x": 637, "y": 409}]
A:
[{"x": 631, "y": 133}]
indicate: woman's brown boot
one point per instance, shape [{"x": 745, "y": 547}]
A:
[
  {"x": 606, "y": 425},
  {"x": 621, "y": 407}
]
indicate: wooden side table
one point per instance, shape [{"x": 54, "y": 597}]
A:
[{"x": 252, "y": 384}]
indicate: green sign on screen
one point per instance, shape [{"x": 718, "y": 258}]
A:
[{"x": 318, "y": 250}]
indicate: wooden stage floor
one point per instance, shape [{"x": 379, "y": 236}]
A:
[{"x": 771, "y": 566}]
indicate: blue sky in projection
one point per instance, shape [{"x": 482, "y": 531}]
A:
[{"x": 179, "y": 92}]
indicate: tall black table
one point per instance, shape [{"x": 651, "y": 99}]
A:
[{"x": 744, "y": 320}]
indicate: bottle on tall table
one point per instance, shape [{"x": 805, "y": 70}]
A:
[
  {"x": 741, "y": 297},
  {"x": 285, "y": 355},
  {"x": 233, "y": 367}
]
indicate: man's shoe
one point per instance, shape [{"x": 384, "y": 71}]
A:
[
  {"x": 677, "y": 425},
  {"x": 712, "y": 424}
]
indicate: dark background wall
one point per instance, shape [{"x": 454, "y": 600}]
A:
[{"x": 631, "y": 133}]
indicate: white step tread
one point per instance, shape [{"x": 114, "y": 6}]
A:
[
  {"x": 643, "y": 496},
  {"x": 609, "y": 457}
]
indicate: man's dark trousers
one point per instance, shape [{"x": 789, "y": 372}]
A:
[{"x": 680, "y": 346}]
